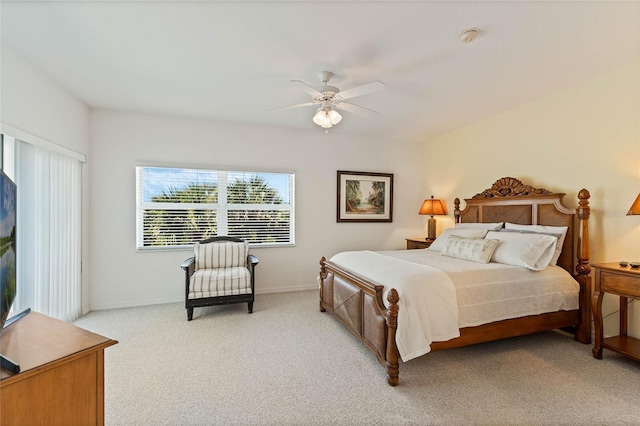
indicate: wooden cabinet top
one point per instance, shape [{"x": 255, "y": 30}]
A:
[
  {"x": 37, "y": 340},
  {"x": 615, "y": 267}
]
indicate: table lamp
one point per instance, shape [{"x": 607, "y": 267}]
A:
[
  {"x": 635, "y": 207},
  {"x": 432, "y": 207}
]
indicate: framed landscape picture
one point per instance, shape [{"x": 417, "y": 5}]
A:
[{"x": 365, "y": 197}]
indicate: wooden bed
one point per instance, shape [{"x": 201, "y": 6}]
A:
[{"x": 508, "y": 200}]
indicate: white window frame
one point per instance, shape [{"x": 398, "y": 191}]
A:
[{"x": 221, "y": 208}]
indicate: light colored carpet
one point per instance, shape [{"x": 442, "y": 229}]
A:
[{"x": 289, "y": 364}]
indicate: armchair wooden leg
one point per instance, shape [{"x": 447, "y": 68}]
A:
[
  {"x": 189, "y": 314},
  {"x": 250, "y": 305}
]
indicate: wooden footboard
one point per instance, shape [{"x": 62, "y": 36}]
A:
[{"x": 358, "y": 304}]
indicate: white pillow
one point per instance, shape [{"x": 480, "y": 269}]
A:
[
  {"x": 531, "y": 251},
  {"x": 496, "y": 226},
  {"x": 474, "y": 249},
  {"x": 557, "y": 231},
  {"x": 441, "y": 241}
]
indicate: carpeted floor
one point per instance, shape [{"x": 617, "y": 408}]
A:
[{"x": 289, "y": 364}]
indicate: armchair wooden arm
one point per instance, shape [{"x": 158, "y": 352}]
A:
[{"x": 189, "y": 265}]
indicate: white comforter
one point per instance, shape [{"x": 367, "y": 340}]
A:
[
  {"x": 427, "y": 298},
  {"x": 439, "y": 294}
]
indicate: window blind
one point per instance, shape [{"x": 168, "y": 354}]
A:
[
  {"x": 177, "y": 207},
  {"x": 49, "y": 234}
]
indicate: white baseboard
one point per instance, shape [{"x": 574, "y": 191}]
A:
[
  {"x": 121, "y": 305},
  {"x": 288, "y": 289},
  {"x": 137, "y": 304}
]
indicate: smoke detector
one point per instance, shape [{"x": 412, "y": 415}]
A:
[{"x": 469, "y": 35}]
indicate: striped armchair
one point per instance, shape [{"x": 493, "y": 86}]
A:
[{"x": 220, "y": 272}]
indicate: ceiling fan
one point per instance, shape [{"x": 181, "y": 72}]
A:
[{"x": 330, "y": 98}]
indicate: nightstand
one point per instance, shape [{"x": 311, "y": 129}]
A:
[
  {"x": 624, "y": 282},
  {"x": 418, "y": 243}
]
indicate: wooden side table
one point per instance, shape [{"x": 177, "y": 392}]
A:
[
  {"x": 418, "y": 243},
  {"x": 624, "y": 282}
]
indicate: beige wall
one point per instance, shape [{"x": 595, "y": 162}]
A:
[
  {"x": 586, "y": 136},
  {"x": 120, "y": 276}
]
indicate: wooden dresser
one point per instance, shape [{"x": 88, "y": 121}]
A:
[{"x": 61, "y": 381}]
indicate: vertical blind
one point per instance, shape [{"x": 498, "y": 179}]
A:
[
  {"x": 177, "y": 207},
  {"x": 48, "y": 232}
]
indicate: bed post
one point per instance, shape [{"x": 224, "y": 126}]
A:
[
  {"x": 583, "y": 330},
  {"x": 323, "y": 276},
  {"x": 456, "y": 210},
  {"x": 392, "y": 355}
]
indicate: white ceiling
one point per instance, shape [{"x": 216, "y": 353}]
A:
[{"x": 232, "y": 61}]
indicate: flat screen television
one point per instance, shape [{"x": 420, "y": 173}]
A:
[
  {"x": 8, "y": 287},
  {"x": 7, "y": 245}
]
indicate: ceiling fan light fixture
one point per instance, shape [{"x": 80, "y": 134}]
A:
[
  {"x": 326, "y": 117},
  {"x": 321, "y": 118}
]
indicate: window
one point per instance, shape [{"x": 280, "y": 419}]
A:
[{"x": 177, "y": 207}]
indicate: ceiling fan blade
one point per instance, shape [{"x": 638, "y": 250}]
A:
[
  {"x": 356, "y": 109},
  {"x": 361, "y": 90},
  {"x": 293, "y": 106},
  {"x": 309, "y": 89}
]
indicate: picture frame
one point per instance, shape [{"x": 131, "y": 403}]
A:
[{"x": 364, "y": 197}]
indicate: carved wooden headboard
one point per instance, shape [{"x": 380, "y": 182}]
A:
[{"x": 509, "y": 200}]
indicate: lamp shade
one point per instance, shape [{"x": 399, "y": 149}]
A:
[
  {"x": 432, "y": 207},
  {"x": 635, "y": 207},
  {"x": 334, "y": 116}
]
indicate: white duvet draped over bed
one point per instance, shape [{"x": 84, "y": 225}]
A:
[{"x": 427, "y": 298}]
